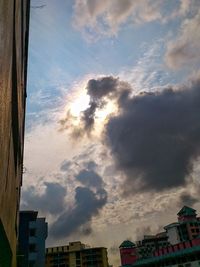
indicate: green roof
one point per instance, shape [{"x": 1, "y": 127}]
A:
[
  {"x": 127, "y": 244},
  {"x": 187, "y": 211}
]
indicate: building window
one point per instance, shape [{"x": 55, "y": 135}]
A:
[
  {"x": 32, "y": 232},
  {"x": 31, "y": 264},
  {"x": 32, "y": 248},
  {"x": 78, "y": 255}
]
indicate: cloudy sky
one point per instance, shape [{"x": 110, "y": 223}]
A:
[{"x": 112, "y": 143}]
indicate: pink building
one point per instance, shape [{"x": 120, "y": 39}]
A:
[
  {"x": 179, "y": 244},
  {"x": 128, "y": 252},
  {"x": 187, "y": 227}
]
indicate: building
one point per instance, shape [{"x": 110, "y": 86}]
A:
[
  {"x": 76, "y": 254},
  {"x": 178, "y": 246},
  {"x": 14, "y": 25},
  {"x": 187, "y": 227},
  {"x": 128, "y": 253},
  {"x": 150, "y": 243},
  {"x": 32, "y": 236},
  {"x": 185, "y": 254},
  {"x": 144, "y": 249}
]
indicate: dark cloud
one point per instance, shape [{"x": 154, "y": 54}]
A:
[
  {"x": 51, "y": 201},
  {"x": 156, "y": 137},
  {"x": 187, "y": 199},
  {"x": 101, "y": 87},
  {"x": 87, "y": 204},
  {"x": 65, "y": 165},
  {"x": 89, "y": 200},
  {"x": 89, "y": 178},
  {"x": 77, "y": 161},
  {"x": 86, "y": 153},
  {"x": 86, "y": 230},
  {"x": 88, "y": 116},
  {"x": 90, "y": 165},
  {"x": 67, "y": 123},
  {"x": 97, "y": 90},
  {"x": 100, "y": 91}
]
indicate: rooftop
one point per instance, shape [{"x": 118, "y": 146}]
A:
[
  {"x": 127, "y": 244},
  {"x": 171, "y": 225},
  {"x": 187, "y": 211}
]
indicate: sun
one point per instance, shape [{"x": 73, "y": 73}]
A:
[{"x": 80, "y": 103}]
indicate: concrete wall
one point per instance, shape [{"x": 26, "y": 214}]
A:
[
  {"x": 173, "y": 236},
  {"x": 14, "y": 15}
]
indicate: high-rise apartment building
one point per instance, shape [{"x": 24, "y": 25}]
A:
[
  {"x": 32, "y": 236},
  {"x": 14, "y": 25},
  {"x": 76, "y": 254}
]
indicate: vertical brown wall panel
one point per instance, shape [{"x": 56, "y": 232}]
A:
[{"x": 14, "y": 23}]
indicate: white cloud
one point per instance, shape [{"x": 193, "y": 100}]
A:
[
  {"x": 106, "y": 17},
  {"x": 185, "y": 49}
]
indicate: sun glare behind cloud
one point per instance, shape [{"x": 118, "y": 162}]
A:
[
  {"x": 79, "y": 104},
  {"x": 108, "y": 109}
]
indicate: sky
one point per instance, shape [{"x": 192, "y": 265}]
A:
[{"x": 112, "y": 143}]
